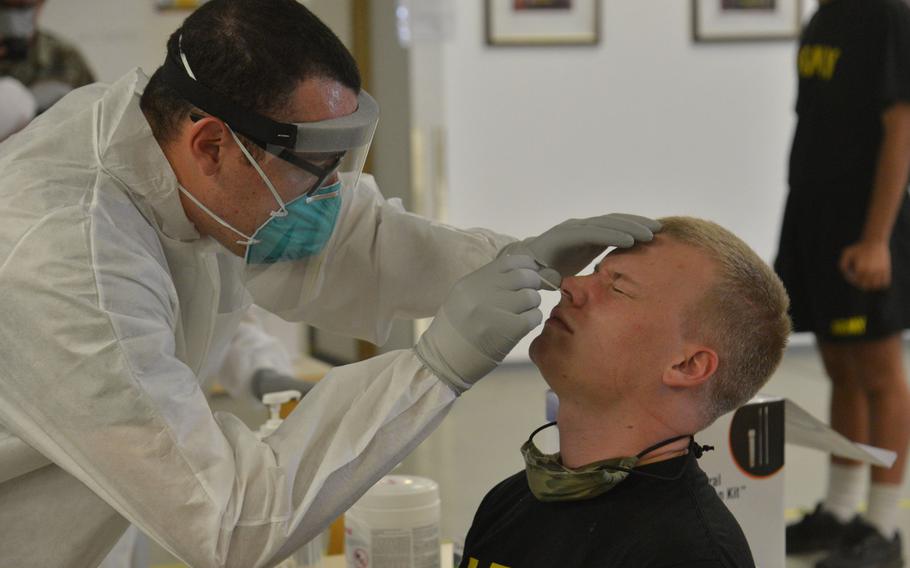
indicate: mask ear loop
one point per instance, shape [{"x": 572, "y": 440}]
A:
[
  {"x": 282, "y": 210},
  {"x": 249, "y": 240},
  {"x": 282, "y": 206}
]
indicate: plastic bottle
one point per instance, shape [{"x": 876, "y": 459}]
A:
[
  {"x": 395, "y": 524},
  {"x": 310, "y": 554},
  {"x": 274, "y": 400}
]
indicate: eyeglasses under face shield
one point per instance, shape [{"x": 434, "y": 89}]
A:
[{"x": 310, "y": 155}]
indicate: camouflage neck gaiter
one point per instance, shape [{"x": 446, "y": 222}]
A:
[{"x": 550, "y": 480}]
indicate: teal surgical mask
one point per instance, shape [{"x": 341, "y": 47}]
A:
[
  {"x": 298, "y": 229},
  {"x": 550, "y": 480},
  {"x": 303, "y": 232}
]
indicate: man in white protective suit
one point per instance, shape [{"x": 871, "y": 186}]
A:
[
  {"x": 140, "y": 220},
  {"x": 255, "y": 363}
]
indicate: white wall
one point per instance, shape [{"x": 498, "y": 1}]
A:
[
  {"x": 117, "y": 35},
  {"x": 114, "y": 35},
  {"x": 645, "y": 122}
]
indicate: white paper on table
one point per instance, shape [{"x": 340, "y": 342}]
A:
[{"x": 803, "y": 429}]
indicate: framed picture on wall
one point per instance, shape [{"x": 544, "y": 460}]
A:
[
  {"x": 543, "y": 22},
  {"x": 745, "y": 20}
]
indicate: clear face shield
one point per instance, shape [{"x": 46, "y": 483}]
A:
[
  {"x": 325, "y": 154},
  {"x": 307, "y": 184},
  {"x": 307, "y": 167}
]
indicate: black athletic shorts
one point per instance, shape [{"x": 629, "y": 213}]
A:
[{"x": 817, "y": 226}]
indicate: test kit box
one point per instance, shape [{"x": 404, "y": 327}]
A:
[{"x": 747, "y": 465}]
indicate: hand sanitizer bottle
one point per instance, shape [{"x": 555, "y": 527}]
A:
[
  {"x": 274, "y": 400},
  {"x": 310, "y": 554}
]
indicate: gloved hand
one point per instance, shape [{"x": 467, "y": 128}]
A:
[
  {"x": 485, "y": 314},
  {"x": 268, "y": 380},
  {"x": 573, "y": 244}
]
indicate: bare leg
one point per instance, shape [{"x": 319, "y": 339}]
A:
[
  {"x": 880, "y": 364},
  {"x": 870, "y": 401},
  {"x": 849, "y": 400}
]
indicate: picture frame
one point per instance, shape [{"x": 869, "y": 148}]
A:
[
  {"x": 542, "y": 22},
  {"x": 746, "y": 20}
]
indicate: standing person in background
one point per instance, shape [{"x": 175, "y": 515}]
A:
[
  {"x": 44, "y": 63},
  {"x": 845, "y": 258}
]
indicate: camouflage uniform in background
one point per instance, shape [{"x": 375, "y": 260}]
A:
[{"x": 50, "y": 60}]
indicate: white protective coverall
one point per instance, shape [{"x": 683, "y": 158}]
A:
[
  {"x": 113, "y": 307},
  {"x": 251, "y": 349}
]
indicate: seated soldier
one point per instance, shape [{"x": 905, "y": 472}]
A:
[{"x": 652, "y": 347}]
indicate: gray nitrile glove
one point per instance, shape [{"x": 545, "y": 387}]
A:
[
  {"x": 485, "y": 314},
  {"x": 573, "y": 244},
  {"x": 268, "y": 380}
]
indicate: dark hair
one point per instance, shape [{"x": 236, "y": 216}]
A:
[{"x": 255, "y": 52}]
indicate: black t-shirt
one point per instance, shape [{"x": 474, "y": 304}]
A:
[
  {"x": 853, "y": 62},
  {"x": 640, "y": 523}
]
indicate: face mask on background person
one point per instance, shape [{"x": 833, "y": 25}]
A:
[{"x": 17, "y": 27}]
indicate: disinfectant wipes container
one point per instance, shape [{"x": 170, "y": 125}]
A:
[{"x": 394, "y": 525}]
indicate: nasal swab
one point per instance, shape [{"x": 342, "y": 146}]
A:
[{"x": 555, "y": 287}]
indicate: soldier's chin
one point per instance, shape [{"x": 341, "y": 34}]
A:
[{"x": 537, "y": 349}]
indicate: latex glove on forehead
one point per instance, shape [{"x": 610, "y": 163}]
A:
[
  {"x": 570, "y": 246},
  {"x": 484, "y": 316}
]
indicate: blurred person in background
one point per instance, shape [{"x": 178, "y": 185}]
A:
[
  {"x": 844, "y": 257},
  {"x": 40, "y": 60}
]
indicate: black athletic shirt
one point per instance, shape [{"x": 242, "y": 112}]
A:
[
  {"x": 853, "y": 62},
  {"x": 640, "y": 523}
]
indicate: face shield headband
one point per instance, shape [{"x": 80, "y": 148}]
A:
[{"x": 346, "y": 139}]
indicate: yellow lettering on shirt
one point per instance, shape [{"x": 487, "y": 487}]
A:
[
  {"x": 473, "y": 563},
  {"x": 849, "y": 326},
  {"x": 818, "y": 61}
]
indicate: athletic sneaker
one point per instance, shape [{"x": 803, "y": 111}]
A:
[
  {"x": 862, "y": 546},
  {"x": 815, "y": 532}
]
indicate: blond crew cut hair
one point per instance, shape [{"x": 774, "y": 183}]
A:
[{"x": 743, "y": 316}]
